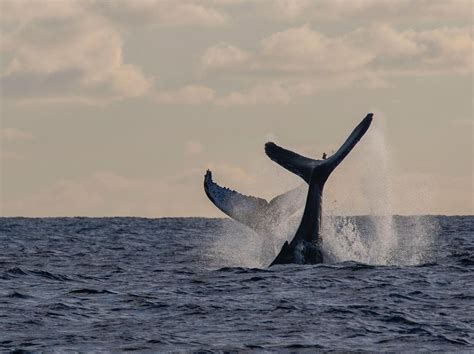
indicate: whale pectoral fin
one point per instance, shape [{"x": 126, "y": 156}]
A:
[
  {"x": 246, "y": 209},
  {"x": 285, "y": 256},
  {"x": 293, "y": 162}
]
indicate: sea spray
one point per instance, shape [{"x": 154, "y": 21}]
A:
[
  {"x": 363, "y": 182},
  {"x": 380, "y": 237},
  {"x": 235, "y": 245},
  {"x": 376, "y": 187}
]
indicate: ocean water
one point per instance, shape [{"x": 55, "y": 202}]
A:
[{"x": 201, "y": 284}]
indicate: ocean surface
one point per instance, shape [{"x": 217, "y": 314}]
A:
[{"x": 119, "y": 284}]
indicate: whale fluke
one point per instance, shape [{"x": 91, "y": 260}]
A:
[
  {"x": 305, "y": 246},
  {"x": 305, "y": 167}
]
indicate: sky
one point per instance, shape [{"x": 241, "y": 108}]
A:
[{"x": 117, "y": 108}]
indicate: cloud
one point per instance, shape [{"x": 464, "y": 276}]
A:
[
  {"x": 159, "y": 12},
  {"x": 360, "y": 11},
  {"x": 65, "y": 53},
  {"x": 376, "y": 48},
  {"x": 72, "y": 51},
  {"x": 190, "y": 94},
  {"x": 271, "y": 93},
  {"x": 223, "y": 55},
  {"x": 266, "y": 93},
  {"x": 13, "y": 134},
  {"x": 302, "y": 49},
  {"x": 441, "y": 50},
  {"x": 260, "y": 94},
  {"x": 301, "y": 61}
]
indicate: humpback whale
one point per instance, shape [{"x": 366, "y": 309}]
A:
[
  {"x": 305, "y": 247},
  {"x": 265, "y": 217}
]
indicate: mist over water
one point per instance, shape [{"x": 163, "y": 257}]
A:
[{"x": 380, "y": 238}]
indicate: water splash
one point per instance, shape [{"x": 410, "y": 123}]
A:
[
  {"x": 238, "y": 245},
  {"x": 379, "y": 238},
  {"x": 235, "y": 245},
  {"x": 376, "y": 187}
]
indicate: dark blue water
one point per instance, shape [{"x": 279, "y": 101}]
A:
[{"x": 153, "y": 284}]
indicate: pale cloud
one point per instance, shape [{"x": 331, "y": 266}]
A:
[
  {"x": 190, "y": 94},
  {"x": 260, "y": 94},
  {"x": 65, "y": 53},
  {"x": 375, "y": 48},
  {"x": 223, "y": 55},
  {"x": 23, "y": 12},
  {"x": 268, "y": 93},
  {"x": 13, "y": 134},
  {"x": 159, "y": 12},
  {"x": 307, "y": 61},
  {"x": 391, "y": 11},
  {"x": 441, "y": 50},
  {"x": 288, "y": 9},
  {"x": 229, "y": 2},
  {"x": 72, "y": 51},
  {"x": 302, "y": 49}
]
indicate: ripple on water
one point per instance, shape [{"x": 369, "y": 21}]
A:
[{"x": 116, "y": 284}]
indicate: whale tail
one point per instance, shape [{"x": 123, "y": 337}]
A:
[
  {"x": 304, "y": 247},
  {"x": 305, "y": 167}
]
